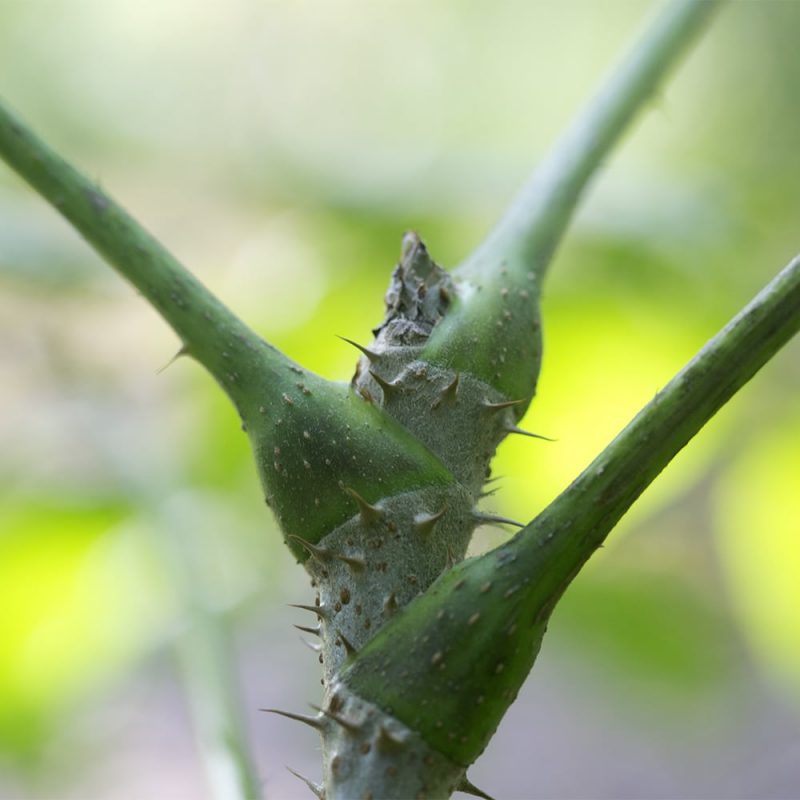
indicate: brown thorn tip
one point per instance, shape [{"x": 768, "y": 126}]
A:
[
  {"x": 319, "y": 553},
  {"x": 497, "y": 520},
  {"x": 489, "y": 406},
  {"x": 515, "y": 429},
  {"x": 388, "y": 388},
  {"x": 468, "y": 787},
  {"x": 390, "y": 603},
  {"x": 425, "y": 523},
  {"x": 320, "y": 611},
  {"x": 369, "y": 514},
  {"x": 373, "y": 357},
  {"x": 449, "y": 393},
  {"x": 316, "y": 788},
  {"x": 355, "y": 564},
  {"x": 387, "y": 740},
  {"x": 349, "y": 726},
  {"x": 182, "y": 352},
  {"x": 348, "y": 646},
  {"x": 313, "y": 631},
  {"x": 313, "y": 722}
]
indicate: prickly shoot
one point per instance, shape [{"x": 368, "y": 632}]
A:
[{"x": 375, "y": 483}]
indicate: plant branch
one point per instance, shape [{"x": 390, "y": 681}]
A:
[
  {"x": 208, "y": 330},
  {"x": 531, "y": 228},
  {"x": 481, "y": 624},
  {"x": 204, "y": 658},
  {"x": 578, "y": 521},
  {"x": 511, "y": 262}
]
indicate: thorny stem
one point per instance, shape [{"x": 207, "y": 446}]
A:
[
  {"x": 568, "y": 531},
  {"x": 533, "y": 225},
  {"x": 221, "y": 343},
  {"x": 208, "y": 330},
  {"x": 578, "y": 521},
  {"x": 479, "y": 627}
]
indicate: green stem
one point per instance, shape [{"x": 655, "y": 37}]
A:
[
  {"x": 209, "y": 331},
  {"x": 578, "y": 521},
  {"x": 531, "y": 228},
  {"x": 473, "y": 636},
  {"x": 204, "y": 658},
  {"x": 207, "y": 671},
  {"x": 498, "y": 301}
]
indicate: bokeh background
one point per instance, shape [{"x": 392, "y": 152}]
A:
[{"x": 281, "y": 149}]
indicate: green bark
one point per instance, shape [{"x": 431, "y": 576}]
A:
[
  {"x": 375, "y": 485},
  {"x": 209, "y": 332},
  {"x": 501, "y": 281},
  {"x": 473, "y": 637}
]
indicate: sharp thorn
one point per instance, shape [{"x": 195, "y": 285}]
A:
[
  {"x": 349, "y": 726},
  {"x": 485, "y": 519},
  {"x": 388, "y": 388},
  {"x": 425, "y": 523},
  {"x": 468, "y": 787},
  {"x": 488, "y": 493},
  {"x": 515, "y": 429},
  {"x": 386, "y": 740},
  {"x": 369, "y": 514},
  {"x": 410, "y": 243},
  {"x": 316, "y": 788},
  {"x": 373, "y": 357},
  {"x": 348, "y": 646},
  {"x": 449, "y": 393},
  {"x": 320, "y": 553},
  {"x": 489, "y": 406},
  {"x": 182, "y": 352},
  {"x": 326, "y": 556},
  {"x": 320, "y": 611},
  {"x": 390, "y": 603},
  {"x": 492, "y": 480},
  {"x": 366, "y": 394},
  {"x": 355, "y": 564},
  {"x": 313, "y": 646},
  {"x": 313, "y": 722},
  {"x": 312, "y": 631}
]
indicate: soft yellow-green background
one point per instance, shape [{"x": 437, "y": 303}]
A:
[{"x": 280, "y": 149}]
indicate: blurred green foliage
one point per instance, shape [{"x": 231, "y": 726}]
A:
[
  {"x": 281, "y": 149},
  {"x": 55, "y": 562}
]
